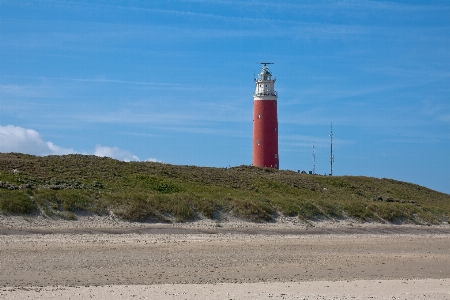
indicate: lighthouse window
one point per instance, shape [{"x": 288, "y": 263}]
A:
[
  {"x": 276, "y": 155},
  {"x": 275, "y": 129},
  {"x": 259, "y": 142},
  {"x": 259, "y": 116}
]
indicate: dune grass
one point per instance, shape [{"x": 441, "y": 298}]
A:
[
  {"x": 16, "y": 202},
  {"x": 62, "y": 186}
]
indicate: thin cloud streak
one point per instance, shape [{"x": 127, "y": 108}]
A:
[
  {"x": 211, "y": 131},
  {"x": 187, "y": 114},
  {"x": 321, "y": 6},
  {"x": 325, "y": 6},
  {"x": 319, "y": 142},
  {"x": 104, "y": 32},
  {"x": 99, "y": 80}
]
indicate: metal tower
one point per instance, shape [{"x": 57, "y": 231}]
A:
[{"x": 314, "y": 160}]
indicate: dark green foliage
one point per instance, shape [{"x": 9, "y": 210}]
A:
[
  {"x": 48, "y": 201},
  {"x": 288, "y": 207},
  {"x": 141, "y": 207},
  {"x": 308, "y": 211},
  {"x": 253, "y": 210},
  {"x": 16, "y": 202},
  {"x": 206, "y": 207},
  {"x": 360, "y": 210},
  {"x": 72, "y": 200},
  {"x": 56, "y": 202},
  {"x": 158, "y": 184},
  {"x": 134, "y": 208},
  {"x": 330, "y": 209},
  {"x": 65, "y": 185}
]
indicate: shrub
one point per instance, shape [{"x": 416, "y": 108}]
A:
[
  {"x": 252, "y": 210},
  {"x": 359, "y": 210},
  {"x": 330, "y": 208},
  {"x": 48, "y": 201},
  {"x": 16, "y": 202},
  {"x": 176, "y": 205},
  {"x": 154, "y": 183},
  {"x": 134, "y": 208},
  {"x": 73, "y": 200},
  {"x": 308, "y": 211},
  {"x": 207, "y": 207}
]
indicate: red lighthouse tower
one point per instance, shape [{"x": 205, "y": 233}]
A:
[{"x": 265, "y": 121}]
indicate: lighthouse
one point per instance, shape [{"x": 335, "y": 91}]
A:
[{"x": 265, "y": 121}]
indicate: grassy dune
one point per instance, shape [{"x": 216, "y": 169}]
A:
[{"x": 61, "y": 186}]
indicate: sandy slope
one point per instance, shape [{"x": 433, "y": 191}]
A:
[{"x": 104, "y": 258}]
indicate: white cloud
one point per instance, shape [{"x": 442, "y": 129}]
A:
[
  {"x": 29, "y": 141},
  {"x": 152, "y": 160},
  {"x": 115, "y": 153},
  {"x": 59, "y": 150}
]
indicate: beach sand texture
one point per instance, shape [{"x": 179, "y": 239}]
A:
[{"x": 51, "y": 260}]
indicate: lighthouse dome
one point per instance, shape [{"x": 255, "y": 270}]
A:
[{"x": 265, "y": 74}]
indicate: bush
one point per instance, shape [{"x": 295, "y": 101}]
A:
[
  {"x": 161, "y": 185},
  {"x": 331, "y": 209},
  {"x": 207, "y": 207},
  {"x": 16, "y": 202},
  {"x": 134, "y": 208},
  {"x": 73, "y": 200},
  {"x": 252, "y": 210},
  {"x": 308, "y": 211},
  {"x": 359, "y": 210},
  {"x": 176, "y": 205},
  {"x": 47, "y": 201}
]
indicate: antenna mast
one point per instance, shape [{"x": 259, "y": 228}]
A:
[
  {"x": 266, "y": 63},
  {"x": 331, "y": 155},
  {"x": 314, "y": 160}
]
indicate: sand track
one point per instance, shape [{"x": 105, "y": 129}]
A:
[{"x": 155, "y": 229}]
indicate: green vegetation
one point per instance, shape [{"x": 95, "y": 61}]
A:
[
  {"x": 63, "y": 186},
  {"x": 16, "y": 202}
]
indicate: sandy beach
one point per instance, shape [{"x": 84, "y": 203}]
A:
[{"x": 104, "y": 258}]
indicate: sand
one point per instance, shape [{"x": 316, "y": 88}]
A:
[{"x": 104, "y": 258}]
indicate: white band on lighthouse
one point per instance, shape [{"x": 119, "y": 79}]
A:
[{"x": 265, "y": 85}]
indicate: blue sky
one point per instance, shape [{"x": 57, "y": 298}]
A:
[{"x": 172, "y": 81}]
